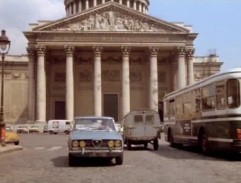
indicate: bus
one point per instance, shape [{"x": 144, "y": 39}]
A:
[{"x": 206, "y": 114}]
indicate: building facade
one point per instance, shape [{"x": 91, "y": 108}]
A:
[{"x": 107, "y": 58}]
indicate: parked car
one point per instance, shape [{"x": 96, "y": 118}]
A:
[
  {"x": 141, "y": 127},
  {"x": 45, "y": 130},
  {"x": 11, "y": 136},
  {"x": 95, "y": 137},
  {"x": 22, "y": 129},
  {"x": 8, "y": 128},
  {"x": 34, "y": 129}
]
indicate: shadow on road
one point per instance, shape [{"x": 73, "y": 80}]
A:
[
  {"x": 190, "y": 152},
  {"x": 62, "y": 161}
]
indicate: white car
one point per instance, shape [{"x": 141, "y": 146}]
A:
[{"x": 22, "y": 129}]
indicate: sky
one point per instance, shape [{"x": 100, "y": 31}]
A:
[{"x": 217, "y": 22}]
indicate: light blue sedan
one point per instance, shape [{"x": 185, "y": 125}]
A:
[{"x": 95, "y": 137}]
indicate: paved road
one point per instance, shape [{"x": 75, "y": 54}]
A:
[{"x": 44, "y": 160}]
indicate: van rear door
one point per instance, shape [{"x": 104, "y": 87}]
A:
[
  {"x": 149, "y": 129},
  {"x": 139, "y": 123}
]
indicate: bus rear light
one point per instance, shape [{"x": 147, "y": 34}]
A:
[{"x": 239, "y": 133}]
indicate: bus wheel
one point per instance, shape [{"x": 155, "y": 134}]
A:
[
  {"x": 155, "y": 144},
  {"x": 204, "y": 144}
]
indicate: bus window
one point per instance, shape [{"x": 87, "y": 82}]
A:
[
  {"x": 197, "y": 100},
  {"x": 220, "y": 97},
  {"x": 233, "y": 93},
  {"x": 208, "y": 98},
  {"x": 172, "y": 109}
]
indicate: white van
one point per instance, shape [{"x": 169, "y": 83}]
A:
[
  {"x": 141, "y": 127},
  {"x": 59, "y": 126}
]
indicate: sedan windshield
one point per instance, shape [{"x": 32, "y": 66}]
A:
[{"x": 94, "y": 124}]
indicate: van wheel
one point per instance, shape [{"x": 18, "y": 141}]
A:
[{"x": 155, "y": 144}]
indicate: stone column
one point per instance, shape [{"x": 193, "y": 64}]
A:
[
  {"x": 31, "y": 85},
  {"x": 190, "y": 57},
  {"x": 74, "y": 8},
  {"x": 120, "y": 2},
  {"x": 103, "y": 1},
  {"x": 134, "y": 5},
  {"x": 87, "y": 4},
  {"x": 125, "y": 81},
  {"x": 153, "y": 83},
  {"x": 181, "y": 68},
  {"x": 95, "y": 3},
  {"x": 69, "y": 97},
  {"x": 139, "y": 7},
  {"x": 97, "y": 81},
  {"x": 80, "y": 5},
  {"x": 41, "y": 85},
  {"x": 128, "y": 3}
]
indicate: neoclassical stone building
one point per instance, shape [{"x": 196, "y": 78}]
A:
[{"x": 107, "y": 58}]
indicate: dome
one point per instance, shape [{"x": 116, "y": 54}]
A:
[{"x": 76, "y": 6}]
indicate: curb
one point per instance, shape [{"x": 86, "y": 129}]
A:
[{"x": 7, "y": 149}]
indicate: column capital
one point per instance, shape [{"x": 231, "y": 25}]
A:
[
  {"x": 69, "y": 50},
  {"x": 126, "y": 50},
  {"x": 41, "y": 50},
  {"x": 190, "y": 52},
  {"x": 97, "y": 50},
  {"x": 154, "y": 50},
  {"x": 31, "y": 51},
  {"x": 181, "y": 51}
]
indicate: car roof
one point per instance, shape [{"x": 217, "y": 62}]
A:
[{"x": 94, "y": 117}]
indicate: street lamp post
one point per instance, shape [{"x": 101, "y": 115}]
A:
[{"x": 4, "y": 48}]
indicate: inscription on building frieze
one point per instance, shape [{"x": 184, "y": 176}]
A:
[{"x": 120, "y": 38}]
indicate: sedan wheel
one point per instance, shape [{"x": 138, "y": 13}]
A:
[
  {"x": 72, "y": 160},
  {"x": 119, "y": 160}
]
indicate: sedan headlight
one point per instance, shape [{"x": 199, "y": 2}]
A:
[
  {"x": 111, "y": 144},
  {"x": 75, "y": 143},
  {"x": 82, "y": 144},
  {"x": 117, "y": 143}
]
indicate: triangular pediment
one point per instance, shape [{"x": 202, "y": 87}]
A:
[{"x": 111, "y": 17}]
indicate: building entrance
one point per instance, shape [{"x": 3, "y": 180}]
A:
[
  {"x": 60, "y": 110},
  {"x": 111, "y": 105}
]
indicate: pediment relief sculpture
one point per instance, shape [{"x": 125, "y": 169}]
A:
[{"x": 114, "y": 21}]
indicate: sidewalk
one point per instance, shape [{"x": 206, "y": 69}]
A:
[{"x": 9, "y": 148}]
